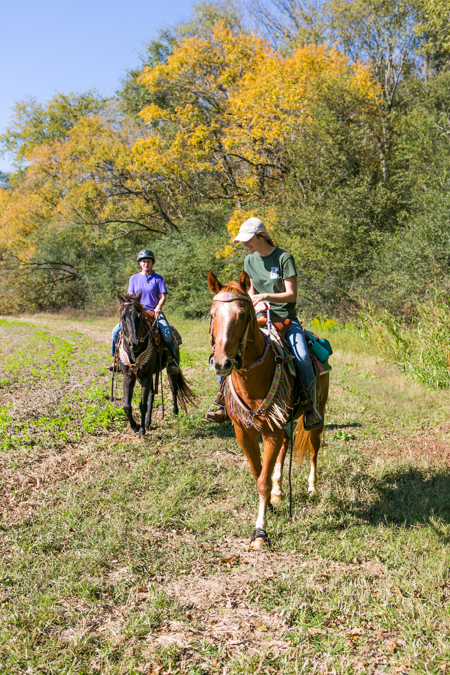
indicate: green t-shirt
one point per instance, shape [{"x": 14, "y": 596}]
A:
[{"x": 268, "y": 274}]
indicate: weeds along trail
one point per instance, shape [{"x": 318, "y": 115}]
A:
[{"x": 123, "y": 556}]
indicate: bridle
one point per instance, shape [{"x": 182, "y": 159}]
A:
[
  {"x": 146, "y": 336},
  {"x": 231, "y": 297}
]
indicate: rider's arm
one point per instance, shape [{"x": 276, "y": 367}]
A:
[
  {"x": 289, "y": 295},
  {"x": 162, "y": 300}
]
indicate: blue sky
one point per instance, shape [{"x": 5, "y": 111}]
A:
[{"x": 49, "y": 47}]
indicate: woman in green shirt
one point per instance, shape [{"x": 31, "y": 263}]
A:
[{"x": 274, "y": 280}]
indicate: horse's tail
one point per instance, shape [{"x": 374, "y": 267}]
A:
[
  {"x": 301, "y": 436},
  {"x": 185, "y": 394}
]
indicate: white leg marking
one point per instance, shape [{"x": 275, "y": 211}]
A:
[
  {"x": 277, "y": 480},
  {"x": 312, "y": 479},
  {"x": 261, "y": 520}
]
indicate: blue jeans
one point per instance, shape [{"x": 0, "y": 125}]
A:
[
  {"x": 297, "y": 342},
  {"x": 166, "y": 333}
]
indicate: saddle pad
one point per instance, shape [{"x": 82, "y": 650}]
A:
[
  {"x": 176, "y": 335},
  {"x": 282, "y": 348}
]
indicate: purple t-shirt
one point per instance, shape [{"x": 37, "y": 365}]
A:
[{"x": 150, "y": 286}]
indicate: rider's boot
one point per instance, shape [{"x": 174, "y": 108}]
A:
[
  {"x": 311, "y": 416},
  {"x": 114, "y": 365},
  {"x": 172, "y": 366},
  {"x": 219, "y": 415}
]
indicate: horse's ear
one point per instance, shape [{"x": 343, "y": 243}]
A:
[
  {"x": 121, "y": 298},
  {"x": 244, "y": 282},
  {"x": 138, "y": 295},
  {"x": 214, "y": 284}
]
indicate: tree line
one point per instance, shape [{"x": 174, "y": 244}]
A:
[{"x": 328, "y": 120}]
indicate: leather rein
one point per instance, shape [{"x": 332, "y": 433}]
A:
[
  {"x": 231, "y": 297},
  {"x": 141, "y": 359}
]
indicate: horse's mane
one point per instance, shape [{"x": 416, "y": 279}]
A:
[
  {"x": 232, "y": 287},
  {"x": 132, "y": 298}
]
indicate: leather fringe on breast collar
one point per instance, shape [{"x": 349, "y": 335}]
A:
[
  {"x": 141, "y": 360},
  {"x": 275, "y": 409}
]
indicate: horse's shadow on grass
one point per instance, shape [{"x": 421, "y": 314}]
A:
[
  {"x": 411, "y": 496},
  {"x": 405, "y": 496}
]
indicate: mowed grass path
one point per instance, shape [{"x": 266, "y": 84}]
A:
[{"x": 120, "y": 555}]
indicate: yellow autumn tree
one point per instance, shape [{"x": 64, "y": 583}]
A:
[{"x": 232, "y": 106}]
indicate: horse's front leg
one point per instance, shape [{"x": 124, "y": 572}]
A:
[
  {"x": 129, "y": 381},
  {"x": 277, "y": 479},
  {"x": 151, "y": 397},
  {"x": 147, "y": 384},
  {"x": 272, "y": 446}
]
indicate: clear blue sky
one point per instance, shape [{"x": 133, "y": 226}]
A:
[{"x": 49, "y": 47}]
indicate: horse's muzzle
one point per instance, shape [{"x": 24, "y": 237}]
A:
[{"x": 225, "y": 368}]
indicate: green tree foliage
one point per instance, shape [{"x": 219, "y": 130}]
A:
[{"x": 34, "y": 124}]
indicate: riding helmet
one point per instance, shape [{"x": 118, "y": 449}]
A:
[{"x": 145, "y": 253}]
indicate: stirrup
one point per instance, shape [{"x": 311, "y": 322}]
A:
[
  {"x": 220, "y": 415},
  {"x": 173, "y": 368}
]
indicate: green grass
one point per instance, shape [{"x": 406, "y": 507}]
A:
[{"x": 107, "y": 539}]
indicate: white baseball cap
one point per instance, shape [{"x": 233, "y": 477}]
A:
[{"x": 248, "y": 229}]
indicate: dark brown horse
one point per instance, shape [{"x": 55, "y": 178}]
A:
[
  {"x": 142, "y": 356},
  {"x": 238, "y": 345}
]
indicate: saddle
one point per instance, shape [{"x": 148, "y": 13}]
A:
[
  {"x": 282, "y": 325},
  {"x": 149, "y": 316},
  {"x": 321, "y": 365}
]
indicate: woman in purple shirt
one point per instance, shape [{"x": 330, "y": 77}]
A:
[{"x": 153, "y": 297}]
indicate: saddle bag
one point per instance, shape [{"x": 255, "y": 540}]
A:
[{"x": 320, "y": 347}]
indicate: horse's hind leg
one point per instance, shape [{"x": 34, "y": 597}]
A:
[
  {"x": 314, "y": 444},
  {"x": 173, "y": 379},
  {"x": 151, "y": 396},
  {"x": 277, "y": 479}
]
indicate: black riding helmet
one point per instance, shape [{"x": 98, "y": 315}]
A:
[{"x": 145, "y": 253}]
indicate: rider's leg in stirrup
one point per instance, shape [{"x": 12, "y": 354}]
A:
[
  {"x": 172, "y": 366},
  {"x": 114, "y": 335},
  {"x": 295, "y": 336},
  {"x": 220, "y": 414}
]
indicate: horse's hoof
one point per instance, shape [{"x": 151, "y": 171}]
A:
[
  {"x": 275, "y": 499},
  {"x": 311, "y": 490},
  {"x": 257, "y": 544},
  {"x": 135, "y": 429},
  {"x": 141, "y": 432},
  {"x": 259, "y": 540}
]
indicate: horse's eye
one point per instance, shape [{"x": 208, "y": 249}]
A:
[{"x": 242, "y": 316}]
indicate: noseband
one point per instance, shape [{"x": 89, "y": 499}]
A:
[{"x": 231, "y": 297}]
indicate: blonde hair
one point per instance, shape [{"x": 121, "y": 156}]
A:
[{"x": 267, "y": 237}]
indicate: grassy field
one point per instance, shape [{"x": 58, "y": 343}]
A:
[{"x": 121, "y": 555}]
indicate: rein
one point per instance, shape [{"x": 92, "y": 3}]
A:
[
  {"x": 231, "y": 297},
  {"x": 144, "y": 357}
]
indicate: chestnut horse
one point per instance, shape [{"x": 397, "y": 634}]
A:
[{"x": 239, "y": 343}]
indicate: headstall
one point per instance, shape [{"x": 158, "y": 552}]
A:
[{"x": 231, "y": 297}]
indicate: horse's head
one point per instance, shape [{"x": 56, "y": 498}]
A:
[
  {"x": 231, "y": 314},
  {"x": 131, "y": 317}
]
